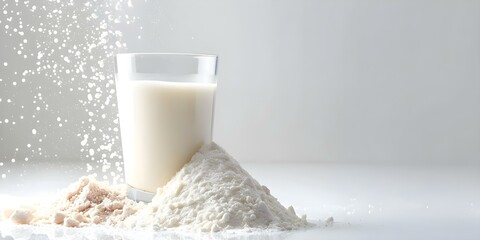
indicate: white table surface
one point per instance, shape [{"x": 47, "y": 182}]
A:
[{"x": 366, "y": 201}]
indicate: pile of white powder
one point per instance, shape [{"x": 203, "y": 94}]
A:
[{"x": 210, "y": 193}]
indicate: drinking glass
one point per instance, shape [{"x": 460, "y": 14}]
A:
[{"x": 166, "y": 107}]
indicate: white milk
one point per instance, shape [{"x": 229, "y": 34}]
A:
[{"x": 162, "y": 125}]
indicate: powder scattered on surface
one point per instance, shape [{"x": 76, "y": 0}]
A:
[
  {"x": 329, "y": 222},
  {"x": 89, "y": 202},
  {"x": 84, "y": 203},
  {"x": 211, "y": 193}
]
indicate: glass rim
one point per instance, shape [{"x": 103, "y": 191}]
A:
[{"x": 170, "y": 54}]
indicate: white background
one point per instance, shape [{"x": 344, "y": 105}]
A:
[
  {"x": 336, "y": 81},
  {"x": 377, "y": 81}
]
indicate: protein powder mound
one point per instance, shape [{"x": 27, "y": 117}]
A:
[{"x": 211, "y": 193}]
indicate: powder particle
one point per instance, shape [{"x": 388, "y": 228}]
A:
[
  {"x": 58, "y": 218},
  {"x": 211, "y": 193},
  {"x": 21, "y": 216},
  {"x": 71, "y": 222}
]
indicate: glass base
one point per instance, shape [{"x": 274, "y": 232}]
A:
[{"x": 139, "y": 195}]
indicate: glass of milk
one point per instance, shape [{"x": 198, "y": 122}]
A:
[{"x": 166, "y": 104}]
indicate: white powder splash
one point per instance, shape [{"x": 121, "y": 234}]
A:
[
  {"x": 211, "y": 193},
  {"x": 59, "y": 51}
]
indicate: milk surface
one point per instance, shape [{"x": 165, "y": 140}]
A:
[{"x": 162, "y": 125}]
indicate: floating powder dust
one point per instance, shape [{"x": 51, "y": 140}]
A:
[
  {"x": 211, "y": 193},
  {"x": 56, "y": 64}
]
